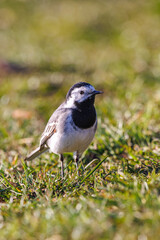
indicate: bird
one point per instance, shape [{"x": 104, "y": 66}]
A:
[{"x": 72, "y": 126}]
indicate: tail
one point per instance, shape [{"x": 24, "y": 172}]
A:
[{"x": 38, "y": 151}]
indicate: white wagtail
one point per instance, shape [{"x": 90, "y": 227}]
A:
[{"x": 72, "y": 126}]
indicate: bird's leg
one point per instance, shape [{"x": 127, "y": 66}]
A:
[
  {"x": 77, "y": 162},
  {"x": 62, "y": 168}
]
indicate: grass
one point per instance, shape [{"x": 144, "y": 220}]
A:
[{"x": 46, "y": 47}]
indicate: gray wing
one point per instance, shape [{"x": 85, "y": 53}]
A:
[
  {"x": 48, "y": 132},
  {"x": 57, "y": 119},
  {"x": 50, "y": 128}
]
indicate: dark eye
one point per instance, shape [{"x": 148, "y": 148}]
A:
[{"x": 81, "y": 92}]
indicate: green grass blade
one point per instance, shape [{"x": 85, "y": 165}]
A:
[
  {"x": 17, "y": 191},
  {"x": 94, "y": 169}
]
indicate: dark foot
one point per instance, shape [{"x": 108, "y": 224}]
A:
[{"x": 62, "y": 168}]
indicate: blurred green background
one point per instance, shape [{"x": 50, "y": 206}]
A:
[{"x": 45, "y": 47}]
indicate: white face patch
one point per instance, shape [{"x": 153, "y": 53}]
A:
[{"x": 79, "y": 94}]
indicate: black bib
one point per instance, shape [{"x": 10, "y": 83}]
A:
[{"x": 85, "y": 114}]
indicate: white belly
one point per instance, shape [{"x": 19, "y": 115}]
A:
[{"x": 71, "y": 141}]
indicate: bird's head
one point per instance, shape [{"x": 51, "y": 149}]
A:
[{"x": 81, "y": 94}]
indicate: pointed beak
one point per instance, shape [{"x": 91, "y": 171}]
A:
[{"x": 95, "y": 92}]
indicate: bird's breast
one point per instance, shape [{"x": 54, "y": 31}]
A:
[
  {"x": 84, "y": 118},
  {"x": 72, "y": 139}
]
